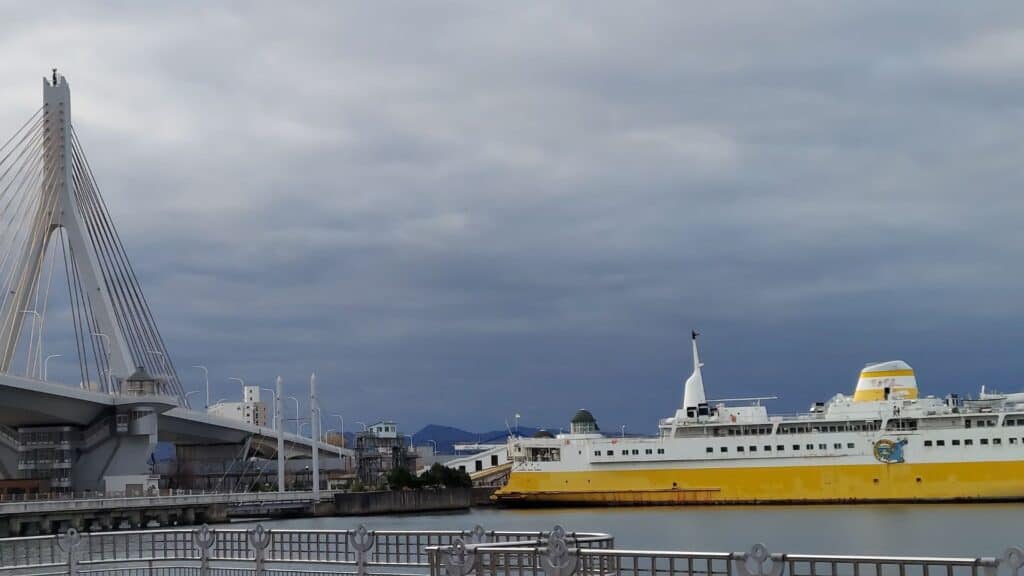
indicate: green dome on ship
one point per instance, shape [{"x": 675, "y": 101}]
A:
[
  {"x": 583, "y": 416},
  {"x": 583, "y": 422}
]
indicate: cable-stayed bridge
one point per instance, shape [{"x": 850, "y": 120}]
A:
[{"x": 64, "y": 266}]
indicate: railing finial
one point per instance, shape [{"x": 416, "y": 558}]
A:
[
  {"x": 760, "y": 557},
  {"x": 558, "y": 558}
]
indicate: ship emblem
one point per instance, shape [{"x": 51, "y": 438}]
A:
[{"x": 890, "y": 452}]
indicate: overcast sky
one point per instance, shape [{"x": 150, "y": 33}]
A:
[{"x": 454, "y": 212}]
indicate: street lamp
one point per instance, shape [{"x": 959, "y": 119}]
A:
[
  {"x": 296, "y": 412},
  {"x": 517, "y": 423},
  {"x": 299, "y": 431},
  {"x": 434, "y": 444},
  {"x": 187, "y": 394},
  {"x": 623, "y": 430},
  {"x": 46, "y": 363},
  {"x": 273, "y": 394},
  {"x": 206, "y": 374},
  {"x": 342, "y": 418},
  {"x": 239, "y": 380},
  {"x": 363, "y": 424}
]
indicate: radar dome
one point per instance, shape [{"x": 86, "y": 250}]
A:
[{"x": 886, "y": 380}]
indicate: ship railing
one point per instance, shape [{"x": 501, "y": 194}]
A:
[
  {"x": 255, "y": 550},
  {"x": 562, "y": 556}
]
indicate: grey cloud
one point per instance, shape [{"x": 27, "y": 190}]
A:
[{"x": 455, "y": 211}]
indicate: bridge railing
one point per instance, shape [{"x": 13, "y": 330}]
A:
[{"x": 234, "y": 551}]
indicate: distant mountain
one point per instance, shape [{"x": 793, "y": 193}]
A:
[{"x": 447, "y": 436}]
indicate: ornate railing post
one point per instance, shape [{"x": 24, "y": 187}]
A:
[
  {"x": 478, "y": 535},
  {"x": 760, "y": 557},
  {"x": 69, "y": 543},
  {"x": 204, "y": 539},
  {"x": 458, "y": 560},
  {"x": 362, "y": 540},
  {"x": 259, "y": 539},
  {"x": 558, "y": 559},
  {"x": 1009, "y": 563}
]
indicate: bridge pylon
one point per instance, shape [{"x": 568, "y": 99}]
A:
[{"x": 47, "y": 193}]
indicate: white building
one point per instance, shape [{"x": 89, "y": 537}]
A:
[{"x": 250, "y": 410}]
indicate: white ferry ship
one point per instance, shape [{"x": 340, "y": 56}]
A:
[{"x": 885, "y": 443}]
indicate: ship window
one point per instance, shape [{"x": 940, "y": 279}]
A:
[
  {"x": 724, "y": 449},
  {"x": 810, "y": 446},
  {"x": 940, "y": 442},
  {"x": 956, "y": 442},
  {"x": 796, "y": 446},
  {"x": 997, "y": 441},
  {"x": 927, "y": 442},
  {"x": 822, "y": 446},
  {"x": 969, "y": 442},
  {"x": 753, "y": 448},
  {"x": 837, "y": 446},
  {"x": 661, "y": 450},
  {"x": 648, "y": 451},
  {"x": 611, "y": 452},
  {"x": 849, "y": 444},
  {"x": 636, "y": 452},
  {"x": 1013, "y": 440},
  {"x": 625, "y": 452},
  {"x": 709, "y": 450},
  {"x": 767, "y": 448},
  {"x": 597, "y": 452},
  {"x": 779, "y": 448},
  {"x": 984, "y": 441},
  {"x": 739, "y": 448}
]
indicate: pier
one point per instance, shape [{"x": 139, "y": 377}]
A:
[{"x": 480, "y": 552}]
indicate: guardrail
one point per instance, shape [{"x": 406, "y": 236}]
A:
[
  {"x": 562, "y": 555},
  {"x": 361, "y": 552},
  {"x": 232, "y": 552}
]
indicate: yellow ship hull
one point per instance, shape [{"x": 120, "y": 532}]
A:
[{"x": 959, "y": 481}]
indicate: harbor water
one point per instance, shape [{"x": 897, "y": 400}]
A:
[{"x": 922, "y": 529}]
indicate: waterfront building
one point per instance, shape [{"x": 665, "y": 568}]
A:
[
  {"x": 380, "y": 448},
  {"x": 250, "y": 410}
]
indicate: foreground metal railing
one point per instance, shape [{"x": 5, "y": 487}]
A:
[
  {"x": 258, "y": 552},
  {"x": 562, "y": 555},
  {"x": 236, "y": 552}
]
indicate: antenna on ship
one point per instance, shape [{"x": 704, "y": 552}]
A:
[{"x": 693, "y": 391}]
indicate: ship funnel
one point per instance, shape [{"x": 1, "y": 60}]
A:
[
  {"x": 694, "y": 401},
  {"x": 886, "y": 380}
]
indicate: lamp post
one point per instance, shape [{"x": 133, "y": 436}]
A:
[
  {"x": 517, "y": 423},
  {"x": 342, "y": 418},
  {"x": 301, "y": 424},
  {"x": 363, "y": 424},
  {"x": 240, "y": 381},
  {"x": 273, "y": 394},
  {"x": 434, "y": 444},
  {"x": 623, "y": 430},
  {"x": 46, "y": 363},
  {"x": 187, "y": 394},
  {"x": 206, "y": 375},
  {"x": 296, "y": 412}
]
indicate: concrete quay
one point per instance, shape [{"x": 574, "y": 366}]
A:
[{"x": 50, "y": 516}]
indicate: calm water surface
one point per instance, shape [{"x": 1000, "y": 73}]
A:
[{"x": 924, "y": 529}]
